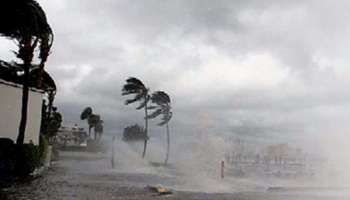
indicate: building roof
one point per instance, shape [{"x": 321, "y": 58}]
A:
[{"x": 13, "y": 73}]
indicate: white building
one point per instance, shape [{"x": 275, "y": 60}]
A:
[
  {"x": 11, "y": 104},
  {"x": 10, "y": 109}
]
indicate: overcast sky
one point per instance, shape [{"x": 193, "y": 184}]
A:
[{"x": 265, "y": 69}]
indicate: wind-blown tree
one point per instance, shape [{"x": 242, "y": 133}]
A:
[
  {"x": 134, "y": 133},
  {"x": 25, "y": 22},
  {"x": 98, "y": 129},
  {"x": 135, "y": 87},
  {"x": 92, "y": 119},
  {"x": 53, "y": 123},
  {"x": 87, "y": 112},
  {"x": 162, "y": 106}
]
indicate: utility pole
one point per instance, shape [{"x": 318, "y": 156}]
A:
[
  {"x": 112, "y": 159},
  {"x": 222, "y": 168}
]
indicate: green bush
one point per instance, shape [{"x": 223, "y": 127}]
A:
[
  {"x": 43, "y": 148},
  {"x": 21, "y": 160},
  {"x": 27, "y": 159},
  {"x": 7, "y": 161}
]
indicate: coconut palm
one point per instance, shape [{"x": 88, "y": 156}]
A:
[
  {"x": 138, "y": 89},
  {"x": 25, "y": 22},
  {"x": 98, "y": 129},
  {"x": 88, "y": 115},
  {"x": 92, "y": 119},
  {"x": 85, "y": 115},
  {"x": 161, "y": 106}
]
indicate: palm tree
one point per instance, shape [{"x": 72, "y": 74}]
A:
[
  {"x": 25, "y": 22},
  {"x": 136, "y": 87},
  {"x": 92, "y": 119},
  {"x": 85, "y": 115},
  {"x": 98, "y": 129},
  {"x": 161, "y": 101}
]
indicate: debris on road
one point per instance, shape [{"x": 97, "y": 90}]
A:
[{"x": 161, "y": 190}]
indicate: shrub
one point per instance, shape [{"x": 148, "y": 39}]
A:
[
  {"x": 27, "y": 159},
  {"x": 20, "y": 160},
  {"x": 134, "y": 133},
  {"x": 7, "y": 161},
  {"x": 43, "y": 148}
]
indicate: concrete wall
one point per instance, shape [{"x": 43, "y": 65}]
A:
[{"x": 10, "y": 113}]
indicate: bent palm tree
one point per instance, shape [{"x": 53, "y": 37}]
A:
[
  {"x": 136, "y": 87},
  {"x": 92, "y": 119},
  {"x": 162, "y": 107},
  {"x": 25, "y": 22},
  {"x": 98, "y": 129},
  {"x": 85, "y": 115}
]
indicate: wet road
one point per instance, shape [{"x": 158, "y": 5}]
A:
[{"x": 83, "y": 176}]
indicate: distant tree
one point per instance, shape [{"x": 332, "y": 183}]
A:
[
  {"x": 55, "y": 122},
  {"x": 44, "y": 117},
  {"x": 51, "y": 97},
  {"x": 93, "y": 121},
  {"x": 85, "y": 115},
  {"x": 161, "y": 106},
  {"x": 134, "y": 133},
  {"x": 91, "y": 118},
  {"x": 26, "y": 23},
  {"x": 138, "y": 89},
  {"x": 99, "y": 129},
  {"x": 50, "y": 123}
]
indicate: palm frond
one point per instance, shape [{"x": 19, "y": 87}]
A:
[
  {"x": 129, "y": 101},
  {"x": 137, "y": 97},
  {"x": 93, "y": 119},
  {"x": 152, "y": 107},
  {"x": 165, "y": 119},
  {"x": 161, "y": 102},
  {"x": 23, "y": 20},
  {"x": 135, "y": 81},
  {"x": 86, "y": 113},
  {"x": 160, "y": 98},
  {"x": 131, "y": 89},
  {"x": 143, "y": 103},
  {"x": 154, "y": 114},
  {"x": 135, "y": 86}
]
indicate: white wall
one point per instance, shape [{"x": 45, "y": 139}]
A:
[{"x": 10, "y": 113}]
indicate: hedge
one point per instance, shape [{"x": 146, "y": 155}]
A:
[{"x": 21, "y": 159}]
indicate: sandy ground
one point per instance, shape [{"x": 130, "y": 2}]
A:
[{"x": 82, "y": 176}]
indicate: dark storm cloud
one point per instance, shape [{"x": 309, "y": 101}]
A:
[{"x": 246, "y": 67}]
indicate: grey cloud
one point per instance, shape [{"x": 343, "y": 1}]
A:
[{"x": 98, "y": 44}]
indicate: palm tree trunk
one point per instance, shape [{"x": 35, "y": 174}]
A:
[
  {"x": 26, "y": 54},
  {"x": 146, "y": 132},
  {"x": 168, "y": 144},
  {"x": 24, "y": 111},
  {"x": 95, "y": 133}
]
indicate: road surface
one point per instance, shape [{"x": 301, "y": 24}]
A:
[{"x": 87, "y": 176}]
